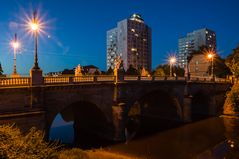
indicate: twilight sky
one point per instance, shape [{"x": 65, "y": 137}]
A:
[{"x": 76, "y": 29}]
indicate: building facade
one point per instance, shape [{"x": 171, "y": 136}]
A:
[
  {"x": 131, "y": 40},
  {"x": 191, "y": 42},
  {"x": 198, "y": 65}
]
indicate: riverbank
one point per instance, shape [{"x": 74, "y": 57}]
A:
[
  {"x": 234, "y": 116},
  {"x": 77, "y": 153},
  {"x": 14, "y": 145}
]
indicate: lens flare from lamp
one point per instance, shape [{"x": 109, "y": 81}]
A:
[{"x": 15, "y": 44}]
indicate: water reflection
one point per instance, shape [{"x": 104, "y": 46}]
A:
[
  {"x": 214, "y": 138},
  {"x": 61, "y": 130}
]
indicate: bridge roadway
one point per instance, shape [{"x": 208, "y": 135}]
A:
[{"x": 102, "y": 107}]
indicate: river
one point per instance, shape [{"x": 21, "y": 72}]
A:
[{"x": 211, "y": 138}]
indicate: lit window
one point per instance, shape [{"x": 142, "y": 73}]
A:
[
  {"x": 133, "y": 30},
  {"x": 133, "y": 49},
  {"x": 206, "y": 32}
]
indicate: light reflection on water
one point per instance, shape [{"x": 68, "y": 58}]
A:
[{"x": 214, "y": 138}]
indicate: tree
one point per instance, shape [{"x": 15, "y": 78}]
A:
[
  {"x": 97, "y": 72},
  {"x": 178, "y": 71},
  {"x": 110, "y": 71},
  {"x": 220, "y": 67},
  {"x": 1, "y": 70},
  {"x": 132, "y": 71},
  {"x": 159, "y": 71},
  {"x": 232, "y": 61}
]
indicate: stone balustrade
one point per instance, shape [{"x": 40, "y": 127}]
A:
[
  {"x": 18, "y": 81},
  {"x": 26, "y": 81}
]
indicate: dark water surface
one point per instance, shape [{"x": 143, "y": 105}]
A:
[{"x": 213, "y": 138}]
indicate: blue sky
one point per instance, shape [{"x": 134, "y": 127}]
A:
[{"x": 76, "y": 29}]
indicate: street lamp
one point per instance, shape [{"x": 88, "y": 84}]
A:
[
  {"x": 210, "y": 56},
  {"x": 35, "y": 27},
  {"x": 35, "y": 73},
  {"x": 15, "y": 45},
  {"x": 172, "y": 61}
]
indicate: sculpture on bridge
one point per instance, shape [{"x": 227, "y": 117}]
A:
[
  {"x": 78, "y": 71},
  {"x": 119, "y": 69},
  {"x": 144, "y": 72}
]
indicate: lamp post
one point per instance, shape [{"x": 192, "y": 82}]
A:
[
  {"x": 35, "y": 28},
  {"x": 35, "y": 72},
  {"x": 172, "y": 61},
  {"x": 15, "y": 45},
  {"x": 210, "y": 56}
]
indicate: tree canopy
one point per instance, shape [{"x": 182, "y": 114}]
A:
[
  {"x": 232, "y": 61},
  {"x": 132, "y": 71},
  {"x": 1, "y": 70},
  {"x": 164, "y": 70}
]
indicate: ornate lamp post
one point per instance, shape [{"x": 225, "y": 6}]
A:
[
  {"x": 35, "y": 72},
  {"x": 15, "y": 45},
  {"x": 172, "y": 61},
  {"x": 35, "y": 28}
]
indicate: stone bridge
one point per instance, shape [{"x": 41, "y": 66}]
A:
[{"x": 102, "y": 107}]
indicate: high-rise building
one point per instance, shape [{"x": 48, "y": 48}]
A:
[
  {"x": 131, "y": 40},
  {"x": 193, "y": 40}
]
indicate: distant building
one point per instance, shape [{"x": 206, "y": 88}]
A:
[
  {"x": 131, "y": 40},
  {"x": 193, "y": 40},
  {"x": 91, "y": 70},
  {"x": 198, "y": 65}
]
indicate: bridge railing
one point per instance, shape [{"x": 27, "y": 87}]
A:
[
  {"x": 105, "y": 78},
  {"x": 153, "y": 78},
  {"x": 79, "y": 79},
  {"x": 18, "y": 81},
  {"x": 56, "y": 80},
  {"x": 200, "y": 78},
  {"x": 49, "y": 80}
]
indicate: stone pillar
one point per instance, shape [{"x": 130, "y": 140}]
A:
[
  {"x": 36, "y": 77},
  {"x": 36, "y": 97},
  {"x": 187, "y": 113},
  {"x": 118, "y": 121},
  {"x": 212, "y": 106}
]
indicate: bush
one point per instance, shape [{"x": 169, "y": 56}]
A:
[
  {"x": 231, "y": 105},
  {"x": 14, "y": 145},
  {"x": 30, "y": 146}
]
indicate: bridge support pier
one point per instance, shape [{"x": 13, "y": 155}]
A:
[
  {"x": 118, "y": 121},
  {"x": 212, "y": 106},
  {"x": 187, "y": 110}
]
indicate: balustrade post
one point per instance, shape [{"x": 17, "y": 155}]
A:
[
  {"x": 36, "y": 77},
  {"x": 71, "y": 80},
  {"x": 95, "y": 78}
]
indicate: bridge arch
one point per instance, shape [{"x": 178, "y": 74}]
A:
[
  {"x": 89, "y": 122},
  {"x": 200, "y": 106},
  {"x": 150, "y": 110}
]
